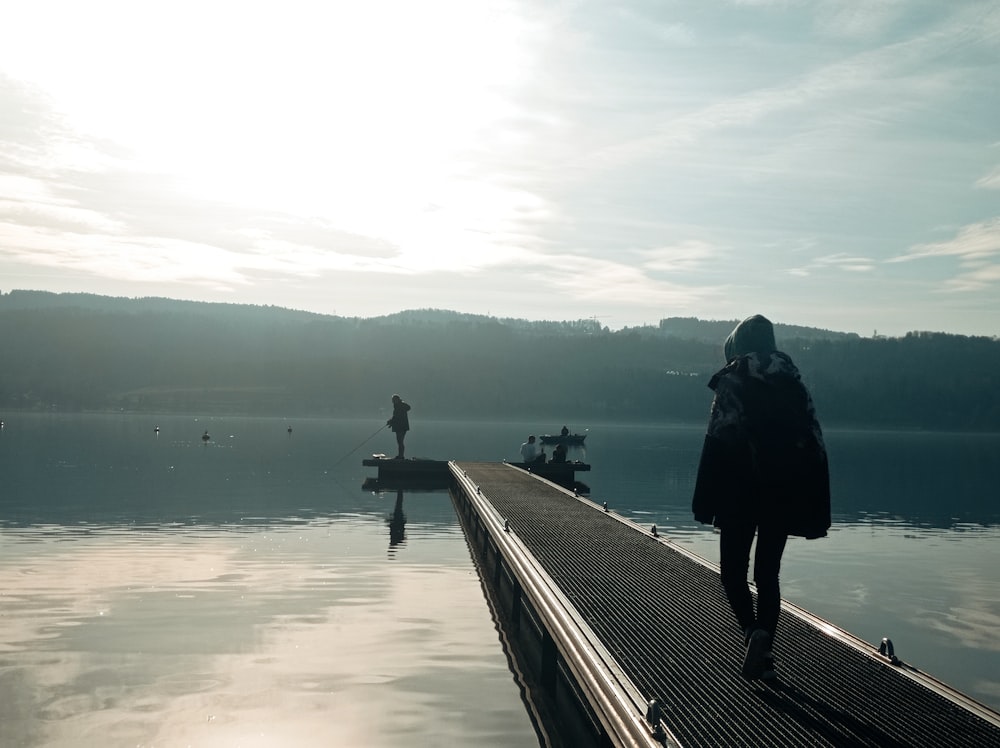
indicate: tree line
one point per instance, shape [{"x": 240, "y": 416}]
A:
[{"x": 75, "y": 352}]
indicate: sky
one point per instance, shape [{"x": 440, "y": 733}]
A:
[{"x": 829, "y": 163}]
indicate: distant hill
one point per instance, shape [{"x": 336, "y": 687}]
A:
[
  {"x": 45, "y": 300},
  {"x": 690, "y": 328},
  {"x": 716, "y": 331},
  {"x": 73, "y": 352}
]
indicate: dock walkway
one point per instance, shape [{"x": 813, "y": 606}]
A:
[{"x": 661, "y": 614}]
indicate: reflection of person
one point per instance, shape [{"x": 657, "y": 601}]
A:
[
  {"x": 400, "y": 422},
  {"x": 763, "y": 471},
  {"x": 397, "y": 522},
  {"x": 530, "y": 452},
  {"x": 559, "y": 453}
]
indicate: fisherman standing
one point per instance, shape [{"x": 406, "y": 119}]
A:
[{"x": 400, "y": 422}]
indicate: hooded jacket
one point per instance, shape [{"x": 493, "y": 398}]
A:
[
  {"x": 763, "y": 460},
  {"x": 400, "y": 421}
]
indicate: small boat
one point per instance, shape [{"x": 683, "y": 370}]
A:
[{"x": 568, "y": 439}]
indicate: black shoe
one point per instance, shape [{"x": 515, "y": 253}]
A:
[{"x": 754, "y": 661}]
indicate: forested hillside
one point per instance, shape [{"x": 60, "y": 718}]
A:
[{"x": 80, "y": 352}]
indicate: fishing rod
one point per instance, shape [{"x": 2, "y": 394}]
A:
[{"x": 359, "y": 446}]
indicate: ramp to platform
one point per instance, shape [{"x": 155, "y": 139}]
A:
[{"x": 660, "y": 611}]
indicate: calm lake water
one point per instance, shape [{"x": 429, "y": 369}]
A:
[{"x": 158, "y": 590}]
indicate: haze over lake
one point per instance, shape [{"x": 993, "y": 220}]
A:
[{"x": 158, "y": 590}]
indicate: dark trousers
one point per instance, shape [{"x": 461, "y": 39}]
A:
[{"x": 734, "y": 551}]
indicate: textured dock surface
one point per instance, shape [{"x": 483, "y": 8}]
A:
[{"x": 663, "y": 616}]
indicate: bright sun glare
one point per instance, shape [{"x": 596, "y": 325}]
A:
[{"x": 368, "y": 115}]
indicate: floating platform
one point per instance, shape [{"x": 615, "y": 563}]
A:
[
  {"x": 562, "y": 473},
  {"x": 410, "y": 473},
  {"x": 428, "y": 474}
]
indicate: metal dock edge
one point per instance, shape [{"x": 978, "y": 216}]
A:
[
  {"x": 616, "y": 702},
  {"x": 610, "y": 615}
]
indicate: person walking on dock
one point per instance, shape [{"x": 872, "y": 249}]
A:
[
  {"x": 764, "y": 472},
  {"x": 400, "y": 422}
]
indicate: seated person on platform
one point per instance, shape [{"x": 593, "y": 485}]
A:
[
  {"x": 530, "y": 452},
  {"x": 559, "y": 453}
]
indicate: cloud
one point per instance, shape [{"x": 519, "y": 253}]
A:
[
  {"x": 976, "y": 279},
  {"x": 69, "y": 202},
  {"x": 991, "y": 181},
  {"x": 618, "y": 282},
  {"x": 840, "y": 261},
  {"x": 27, "y": 202},
  {"x": 975, "y": 243},
  {"x": 850, "y": 263},
  {"x": 858, "y": 18},
  {"x": 893, "y": 80},
  {"x": 976, "y": 248},
  {"x": 166, "y": 259},
  {"x": 328, "y": 154},
  {"x": 27, "y": 120},
  {"x": 766, "y": 3},
  {"x": 684, "y": 256},
  {"x": 133, "y": 259}
]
